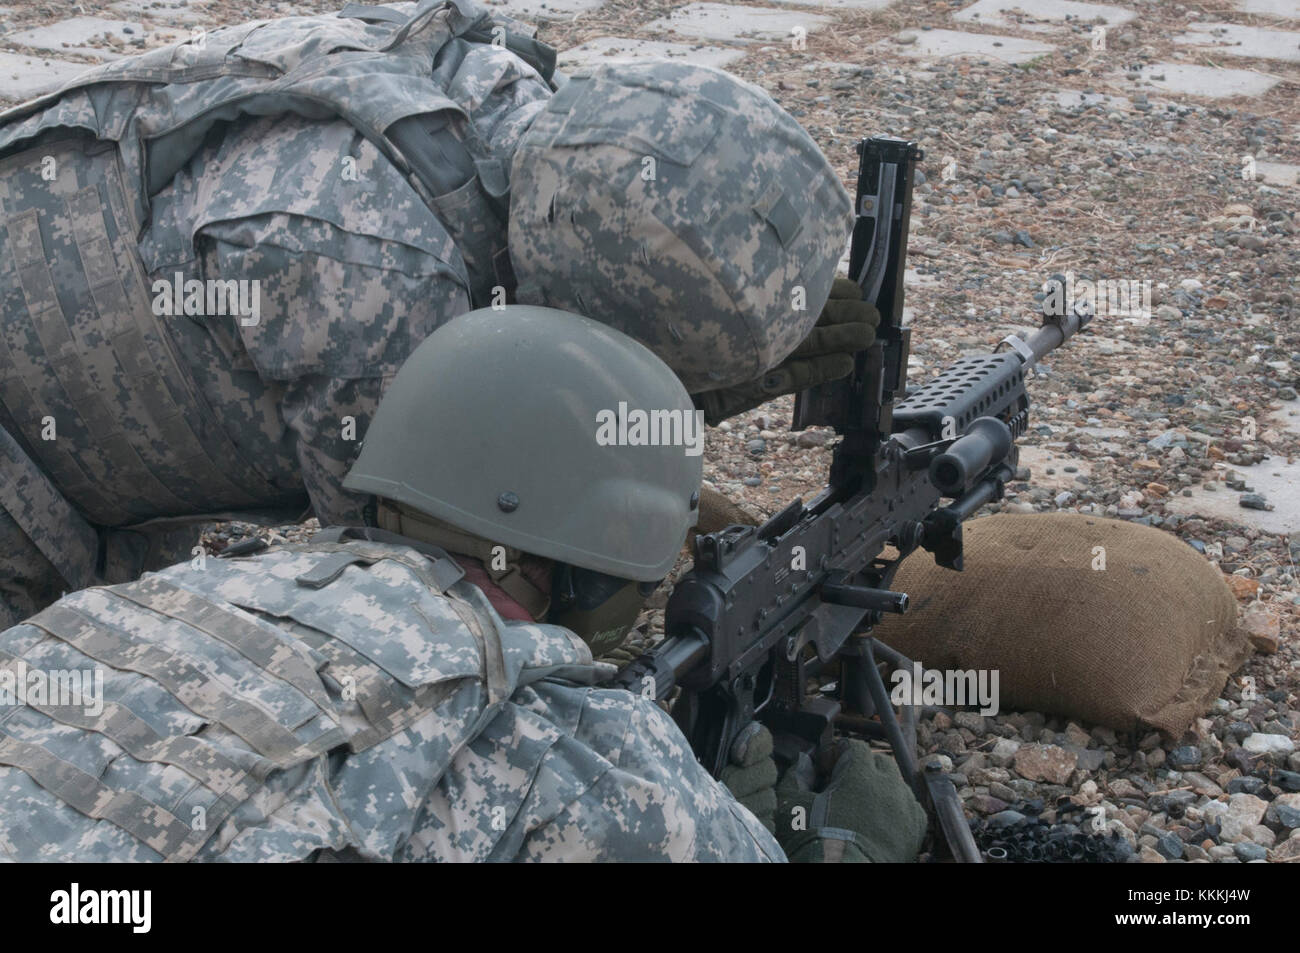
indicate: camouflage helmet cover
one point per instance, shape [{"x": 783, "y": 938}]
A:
[
  {"x": 682, "y": 206},
  {"x": 500, "y": 424}
]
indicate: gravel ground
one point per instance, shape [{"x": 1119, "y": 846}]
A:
[{"x": 1136, "y": 420}]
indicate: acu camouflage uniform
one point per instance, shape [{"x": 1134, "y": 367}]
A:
[
  {"x": 347, "y": 700},
  {"x": 269, "y": 152}
]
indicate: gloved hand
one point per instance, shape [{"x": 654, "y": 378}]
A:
[
  {"x": 846, "y": 325},
  {"x": 751, "y": 774},
  {"x": 865, "y": 813}
]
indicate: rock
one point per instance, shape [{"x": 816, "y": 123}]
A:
[
  {"x": 1243, "y": 813},
  {"x": 1284, "y": 812},
  {"x": 1263, "y": 626},
  {"x": 1117, "y": 826},
  {"x": 1201, "y": 784},
  {"x": 944, "y": 762},
  {"x": 1006, "y": 819},
  {"x": 999, "y": 790},
  {"x": 814, "y": 438},
  {"x": 1170, "y": 845},
  {"x": 1287, "y": 851},
  {"x": 1123, "y": 787},
  {"x": 1184, "y": 757},
  {"x": 1239, "y": 731},
  {"x": 1246, "y": 852},
  {"x": 987, "y": 804},
  {"x": 1247, "y": 785},
  {"x": 1243, "y": 587},
  {"x": 1076, "y": 735},
  {"x": 1104, "y": 736},
  {"x": 1253, "y": 501},
  {"x": 1221, "y": 852},
  {"x": 1262, "y": 835},
  {"x": 989, "y": 776},
  {"x": 974, "y": 761},
  {"x": 1260, "y": 743},
  {"x": 971, "y": 721},
  {"x": 1089, "y": 759},
  {"x": 1148, "y": 856},
  {"x": 1004, "y": 752},
  {"x": 1045, "y": 763}
]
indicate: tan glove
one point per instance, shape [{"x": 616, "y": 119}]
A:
[{"x": 846, "y": 326}]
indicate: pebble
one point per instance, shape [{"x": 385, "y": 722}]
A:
[
  {"x": 1260, "y": 743},
  {"x": 1004, "y": 751},
  {"x": 1246, "y": 852},
  {"x": 1246, "y": 785},
  {"x": 1006, "y": 818},
  {"x": 1045, "y": 763}
]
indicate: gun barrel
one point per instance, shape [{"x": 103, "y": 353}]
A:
[
  {"x": 987, "y": 440},
  {"x": 1053, "y": 333}
]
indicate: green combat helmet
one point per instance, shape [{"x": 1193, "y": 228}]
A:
[
  {"x": 682, "y": 206},
  {"x": 544, "y": 432}
]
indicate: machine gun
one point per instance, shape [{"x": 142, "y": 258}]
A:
[{"x": 773, "y": 622}]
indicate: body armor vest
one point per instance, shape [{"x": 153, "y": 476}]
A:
[
  {"x": 78, "y": 335},
  {"x": 226, "y": 687}
]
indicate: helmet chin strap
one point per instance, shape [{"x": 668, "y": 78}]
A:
[{"x": 508, "y": 567}]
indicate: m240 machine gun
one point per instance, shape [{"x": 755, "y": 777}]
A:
[{"x": 774, "y": 622}]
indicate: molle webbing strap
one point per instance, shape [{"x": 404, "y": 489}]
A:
[
  {"x": 167, "y": 421},
  {"x": 439, "y": 572},
  {"x": 148, "y": 823},
  {"x": 137, "y": 738},
  {"x": 171, "y": 391},
  {"x": 243, "y": 635},
  {"x": 149, "y": 443},
  {"x": 40, "y": 510},
  {"x": 193, "y": 687},
  {"x": 489, "y": 645},
  {"x": 416, "y": 525},
  {"x": 63, "y": 372},
  {"x": 386, "y": 710},
  {"x": 488, "y": 639}
]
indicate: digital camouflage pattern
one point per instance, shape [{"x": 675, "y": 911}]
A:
[
  {"x": 287, "y": 162},
  {"x": 340, "y": 701},
  {"x": 249, "y": 157},
  {"x": 684, "y": 207}
]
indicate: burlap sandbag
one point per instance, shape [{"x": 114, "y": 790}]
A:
[
  {"x": 1146, "y": 642},
  {"x": 717, "y": 512}
]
